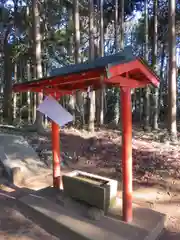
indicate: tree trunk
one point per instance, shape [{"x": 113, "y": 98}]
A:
[
  {"x": 28, "y": 93},
  {"x": 172, "y": 84},
  {"x": 147, "y": 89},
  {"x": 154, "y": 64},
  {"x": 37, "y": 57},
  {"x": 79, "y": 108},
  {"x": 161, "y": 88},
  {"x": 70, "y": 21},
  {"x": 121, "y": 23},
  {"x": 28, "y": 69},
  {"x": 71, "y": 45},
  {"x": 141, "y": 91},
  {"x": 34, "y": 95},
  {"x": 20, "y": 94},
  {"x": 117, "y": 47},
  {"x": 15, "y": 94},
  {"x": 7, "y": 108},
  {"x": 100, "y": 92},
  {"x": 91, "y": 57},
  {"x": 116, "y": 26}
]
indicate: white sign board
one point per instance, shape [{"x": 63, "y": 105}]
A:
[{"x": 55, "y": 111}]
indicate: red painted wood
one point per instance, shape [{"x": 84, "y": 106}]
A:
[
  {"x": 126, "y": 152},
  {"x": 91, "y": 78},
  {"x": 54, "y": 81},
  {"x": 151, "y": 77},
  {"x": 135, "y": 66},
  {"x": 117, "y": 70},
  {"x": 55, "y": 92},
  {"x": 56, "y": 155},
  {"x": 127, "y": 82}
]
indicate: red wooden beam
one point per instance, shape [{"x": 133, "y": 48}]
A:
[
  {"x": 67, "y": 88},
  {"x": 148, "y": 73},
  {"x": 127, "y": 82},
  {"x": 120, "y": 69},
  {"x": 126, "y": 153},
  {"x": 59, "y": 80},
  {"x": 51, "y": 91},
  {"x": 59, "y": 91}
]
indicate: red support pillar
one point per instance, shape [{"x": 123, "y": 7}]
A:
[
  {"x": 126, "y": 113},
  {"x": 56, "y": 155}
]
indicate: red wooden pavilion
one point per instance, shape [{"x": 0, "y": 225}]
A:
[{"x": 121, "y": 70}]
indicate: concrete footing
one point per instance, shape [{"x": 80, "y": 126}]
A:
[{"x": 66, "y": 222}]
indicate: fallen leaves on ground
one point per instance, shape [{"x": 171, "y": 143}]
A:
[{"x": 100, "y": 152}]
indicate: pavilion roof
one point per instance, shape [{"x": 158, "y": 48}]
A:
[{"x": 120, "y": 69}]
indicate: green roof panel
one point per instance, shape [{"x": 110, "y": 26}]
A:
[{"x": 102, "y": 62}]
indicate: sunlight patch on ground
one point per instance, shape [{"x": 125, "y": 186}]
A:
[{"x": 6, "y": 188}]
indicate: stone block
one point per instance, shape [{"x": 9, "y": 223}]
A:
[
  {"x": 94, "y": 190},
  {"x": 19, "y": 159}
]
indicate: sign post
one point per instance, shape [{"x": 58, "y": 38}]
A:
[
  {"x": 59, "y": 117},
  {"x": 56, "y": 155}
]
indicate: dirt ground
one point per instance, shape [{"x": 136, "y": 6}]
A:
[{"x": 156, "y": 170}]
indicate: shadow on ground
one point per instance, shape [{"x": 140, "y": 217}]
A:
[
  {"x": 168, "y": 235},
  {"x": 14, "y": 222}
]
